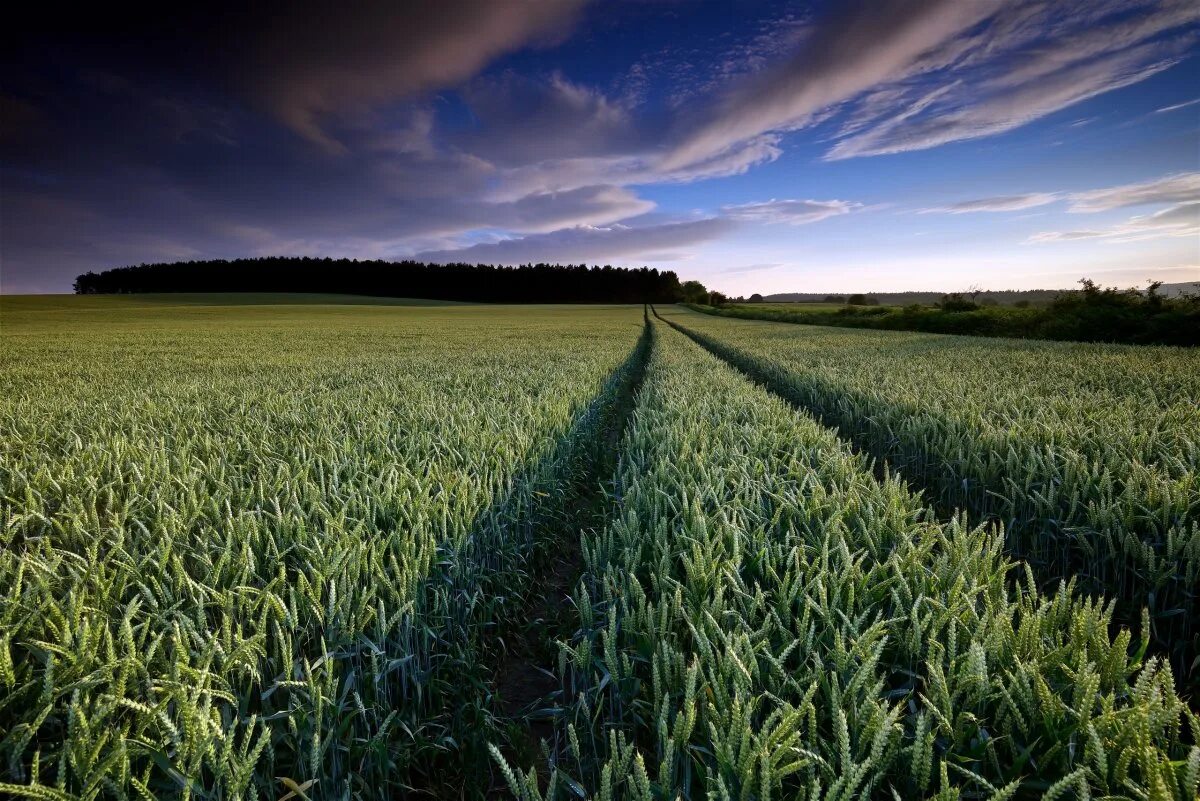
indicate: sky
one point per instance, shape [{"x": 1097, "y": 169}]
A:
[{"x": 755, "y": 146}]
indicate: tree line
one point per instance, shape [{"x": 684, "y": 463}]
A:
[
  {"x": 1089, "y": 314},
  {"x": 484, "y": 283}
]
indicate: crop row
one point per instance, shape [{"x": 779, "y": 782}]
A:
[
  {"x": 245, "y": 556},
  {"x": 764, "y": 618},
  {"x": 1088, "y": 455}
]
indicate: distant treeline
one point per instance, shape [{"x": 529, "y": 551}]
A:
[
  {"x": 1091, "y": 314},
  {"x": 988, "y": 297},
  {"x": 484, "y": 283}
]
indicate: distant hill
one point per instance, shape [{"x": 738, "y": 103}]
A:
[{"x": 1034, "y": 297}]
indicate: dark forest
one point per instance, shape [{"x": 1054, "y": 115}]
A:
[{"x": 485, "y": 283}]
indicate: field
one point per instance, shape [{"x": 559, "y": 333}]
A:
[
  {"x": 332, "y": 548},
  {"x": 773, "y": 308},
  {"x": 1089, "y": 456}
]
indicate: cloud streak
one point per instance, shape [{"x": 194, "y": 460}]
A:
[
  {"x": 1182, "y": 220},
  {"x": 791, "y": 212},
  {"x": 1177, "y": 188},
  {"x": 589, "y": 244},
  {"x": 1177, "y": 106},
  {"x": 858, "y": 48},
  {"x": 908, "y": 76},
  {"x": 1002, "y": 203},
  {"x": 1038, "y": 60}
]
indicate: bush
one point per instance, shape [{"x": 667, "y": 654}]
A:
[
  {"x": 862, "y": 300},
  {"x": 957, "y": 302}
]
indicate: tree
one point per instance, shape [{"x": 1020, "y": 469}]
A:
[
  {"x": 756, "y": 298},
  {"x": 716, "y": 298},
  {"x": 693, "y": 292},
  {"x": 858, "y": 299}
]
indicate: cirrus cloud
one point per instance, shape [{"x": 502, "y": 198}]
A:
[
  {"x": 1177, "y": 188},
  {"x": 1182, "y": 220},
  {"x": 908, "y": 76},
  {"x": 792, "y": 212},
  {"x": 1002, "y": 203}
]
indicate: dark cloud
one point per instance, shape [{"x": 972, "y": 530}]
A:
[
  {"x": 309, "y": 66},
  {"x": 522, "y": 120}
]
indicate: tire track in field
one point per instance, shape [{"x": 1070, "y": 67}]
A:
[
  {"x": 761, "y": 377},
  {"x": 525, "y": 688}
]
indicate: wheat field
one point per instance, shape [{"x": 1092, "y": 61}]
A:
[{"x": 300, "y": 550}]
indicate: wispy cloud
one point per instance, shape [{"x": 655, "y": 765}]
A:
[
  {"x": 792, "y": 212},
  {"x": 1038, "y": 59},
  {"x": 749, "y": 268},
  {"x": 1175, "y": 221},
  {"x": 952, "y": 117},
  {"x": 660, "y": 241},
  {"x": 839, "y": 58},
  {"x": 589, "y": 243},
  {"x": 1002, "y": 203},
  {"x": 914, "y": 76},
  {"x": 1179, "y": 188},
  {"x": 1177, "y": 106}
]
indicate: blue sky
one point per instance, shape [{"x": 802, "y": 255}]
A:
[{"x": 756, "y": 146}]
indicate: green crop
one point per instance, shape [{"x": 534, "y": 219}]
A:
[
  {"x": 268, "y": 548},
  {"x": 1088, "y": 454},
  {"x": 258, "y": 550},
  {"x": 764, "y": 618}
]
